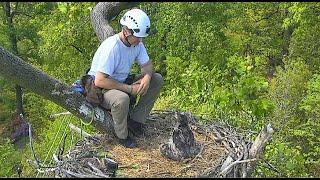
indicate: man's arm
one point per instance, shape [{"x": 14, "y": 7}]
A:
[
  {"x": 103, "y": 81},
  {"x": 146, "y": 71}
]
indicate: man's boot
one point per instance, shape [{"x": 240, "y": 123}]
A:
[
  {"x": 136, "y": 128},
  {"x": 128, "y": 142}
]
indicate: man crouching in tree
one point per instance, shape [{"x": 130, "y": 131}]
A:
[{"x": 111, "y": 65}]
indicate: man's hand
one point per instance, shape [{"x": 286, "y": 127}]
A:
[{"x": 142, "y": 85}]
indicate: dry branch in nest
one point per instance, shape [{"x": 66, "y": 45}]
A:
[
  {"x": 86, "y": 161},
  {"x": 175, "y": 144}
]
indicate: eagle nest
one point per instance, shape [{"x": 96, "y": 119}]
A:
[{"x": 175, "y": 144}]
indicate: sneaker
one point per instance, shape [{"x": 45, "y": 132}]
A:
[
  {"x": 136, "y": 128},
  {"x": 128, "y": 143}
]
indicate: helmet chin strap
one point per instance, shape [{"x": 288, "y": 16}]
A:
[{"x": 126, "y": 38}]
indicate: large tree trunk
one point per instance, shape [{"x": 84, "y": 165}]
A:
[
  {"x": 16, "y": 70},
  {"x": 104, "y": 12}
]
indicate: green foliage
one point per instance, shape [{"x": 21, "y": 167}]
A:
[
  {"x": 305, "y": 37},
  {"x": 311, "y": 101},
  {"x": 252, "y": 26},
  {"x": 9, "y": 158},
  {"x": 235, "y": 91},
  {"x": 6, "y": 100},
  {"x": 288, "y": 158},
  {"x": 36, "y": 112},
  {"x": 4, "y": 38},
  {"x": 308, "y": 132},
  {"x": 68, "y": 41},
  {"x": 181, "y": 34},
  {"x": 287, "y": 91}
]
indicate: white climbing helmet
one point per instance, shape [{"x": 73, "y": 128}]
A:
[{"x": 138, "y": 21}]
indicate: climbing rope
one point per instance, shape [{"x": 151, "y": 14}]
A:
[
  {"x": 60, "y": 149},
  {"x": 53, "y": 142},
  {"x": 86, "y": 124},
  {"x": 92, "y": 118},
  {"x": 62, "y": 139}
]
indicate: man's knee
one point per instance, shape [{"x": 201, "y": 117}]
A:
[
  {"x": 158, "y": 79},
  {"x": 122, "y": 101}
]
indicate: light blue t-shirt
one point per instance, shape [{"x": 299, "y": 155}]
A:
[{"x": 115, "y": 59}]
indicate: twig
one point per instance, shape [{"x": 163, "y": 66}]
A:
[
  {"x": 224, "y": 171},
  {"x": 61, "y": 147},
  {"x": 78, "y": 130},
  {"x": 46, "y": 170},
  {"x": 208, "y": 171},
  {"x": 202, "y": 148},
  {"x": 245, "y": 156},
  {"x": 79, "y": 175},
  {"x": 270, "y": 166},
  {"x": 100, "y": 173},
  {"x": 59, "y": 114}
]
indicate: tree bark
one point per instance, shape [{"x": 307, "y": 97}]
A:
[
  {"x": 19, "y": 99},
  {"x": 104, "y": 12},
  {"x": 258, "y": 146}
]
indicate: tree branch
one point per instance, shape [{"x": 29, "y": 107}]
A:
[
  {"x": 258, "y": 146},
  {"x": 18, "y": 71},
  {"x": 104, "y": 12},
  {"x": 81, "y": 51}
]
